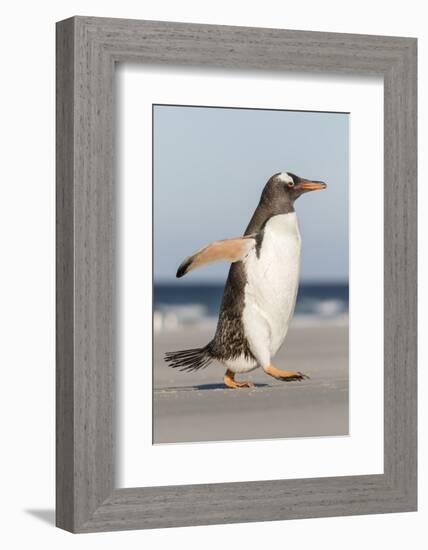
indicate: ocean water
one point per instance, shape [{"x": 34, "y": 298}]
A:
[{"x": 176, "y": 305}]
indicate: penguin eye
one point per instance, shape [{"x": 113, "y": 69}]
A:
[{"x": 290, "y": 184}]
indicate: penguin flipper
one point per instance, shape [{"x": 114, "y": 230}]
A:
[{"x": 232, "y": 250}]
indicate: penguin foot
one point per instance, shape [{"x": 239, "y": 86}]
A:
[
  {"x": 229, "y": 380},
  {"x": 285, "y": 375}
]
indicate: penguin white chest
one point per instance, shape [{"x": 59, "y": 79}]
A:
[{"x": 272, "y": 281}]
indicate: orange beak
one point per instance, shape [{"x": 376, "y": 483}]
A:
[{"x": 312, "y": 185}]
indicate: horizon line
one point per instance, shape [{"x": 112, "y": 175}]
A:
[{"x": 174, "y": 282}]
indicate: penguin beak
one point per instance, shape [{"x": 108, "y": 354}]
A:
[{"x": 306, "y": 185}]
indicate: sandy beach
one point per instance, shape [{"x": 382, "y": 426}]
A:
[{"x": 199, "y": 407}]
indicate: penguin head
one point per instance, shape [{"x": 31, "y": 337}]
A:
[
  {"x": 295, "y": 185},
  {"x": 283, "y": 188}
]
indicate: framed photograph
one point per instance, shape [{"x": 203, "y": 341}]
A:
[{"x": 236, "y": 274}]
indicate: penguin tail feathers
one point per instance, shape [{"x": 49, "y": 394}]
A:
[{"x": 189, "y": 360}]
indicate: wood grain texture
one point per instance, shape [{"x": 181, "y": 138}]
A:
[
  {"x": 87, "y": 49},
  {"x": 64, "y": 278}
]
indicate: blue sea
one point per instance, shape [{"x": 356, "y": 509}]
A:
[{"x": 185, "y": 304}]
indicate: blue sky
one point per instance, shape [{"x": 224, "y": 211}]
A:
[{"x": 210, "y": 166}]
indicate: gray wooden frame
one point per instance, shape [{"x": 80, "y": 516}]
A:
[{"x": 87, "y": 50}]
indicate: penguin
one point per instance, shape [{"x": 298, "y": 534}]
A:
[{"x": 261, "y": 288}]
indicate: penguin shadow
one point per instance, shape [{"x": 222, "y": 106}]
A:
[{"x": 221, "y": 386}]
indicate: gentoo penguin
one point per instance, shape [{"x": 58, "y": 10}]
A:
[{"x": 261, "y": 288}]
